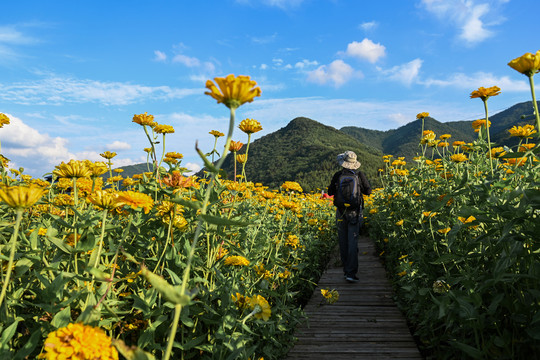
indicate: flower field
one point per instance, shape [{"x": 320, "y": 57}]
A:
[
  {"x": 458, "y": 232},
  {"x": 163, "y": 265},
  {"x": 94, "y": 270}
]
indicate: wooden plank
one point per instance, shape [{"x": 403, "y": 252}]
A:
[{"x": 364, "y": 323}]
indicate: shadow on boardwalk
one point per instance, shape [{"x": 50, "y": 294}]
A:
[{"x": 364, "y": 323}]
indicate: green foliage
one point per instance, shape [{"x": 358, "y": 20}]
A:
[{"x": 462, "y": 251}]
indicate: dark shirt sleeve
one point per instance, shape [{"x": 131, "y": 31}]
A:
[
  {"x": 333, "y": 184},
  {"x": 365, "y": 185}
]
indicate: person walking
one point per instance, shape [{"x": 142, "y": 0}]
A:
[{"x": 348, "y": 186}]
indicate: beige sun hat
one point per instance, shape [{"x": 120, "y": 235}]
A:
[{"x": 348, "y": 160}]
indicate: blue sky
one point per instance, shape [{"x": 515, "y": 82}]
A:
[{"x": 73, "y": 73}]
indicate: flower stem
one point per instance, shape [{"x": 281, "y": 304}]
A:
[
  {"x": 535, "y": 105},
  {"x": 11, "y": 254},
  {"x": 177, "y": 311},
  {"x": 489, "y": 140}
]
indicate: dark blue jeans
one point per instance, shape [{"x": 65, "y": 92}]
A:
[{"x": 348, "y": 232}]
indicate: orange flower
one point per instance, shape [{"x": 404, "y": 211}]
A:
[
  {"x": 422, "y": 115},
  {"x": 135, "y": 200},
  {"x": 235, "y": 146},
  {"x": 484, "y": 93},
  {"x": 233, "y": 91}
]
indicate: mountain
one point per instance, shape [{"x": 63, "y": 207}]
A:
[
  {"x": 303, "y": 151},
  {"x": 404, "y": 140}
]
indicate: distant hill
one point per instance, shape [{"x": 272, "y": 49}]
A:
[
  {"x": 303, "y": 151},
  {"x": 404, "y": 140}
]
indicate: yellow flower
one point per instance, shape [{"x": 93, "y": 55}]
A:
[
  {"x": 4, "y": 120},
  {"x": 250, "y": 126},
  {"x": 96, "y": 168},
  {"x": 429, "y": 213},
  {"x": 522, "y": 131},
  {"x": 261, "y": 307},
  {"x": 144, "y": 119},
  {"x": 458, "y": 143},
  {"x": 422, "y": 115},
  {"x": 104, "y": 199},
  {"x": 233, "y": 91},
  {"x": 292, "y": 186},
  {"x": 526, "y": 147},
  {"x": 73, "y": 169},
  {"x": 22, "y": 196},
  {"x": 484, "y": 93},
  {"x": 445, "y": 137},
  {"x": 497, "y": 152},
  {"x": 174, "y": 155},
  {"x": 135, "y": 200},
  {"x": 466, "y": 220},
  {"x": 216, "y": 133},
  {"x": 399, "y": 223},
  {"x": 241, "y": 158},
  {"x": 163, "y": 129},
  {"x": 78, "y": 341},
  {"x": 235, "y": 146},
  {"x": 236, "y": 260},
  {"x": 457, "y": 158},
  {"x": 403, "y": 273},
  {"x": 527, "y": 64},
  {"x": 444, "y": 231},
  {"x": 331, "y": 296},
  {"x": 240, "y": 300},
  {"x": 108, "y": 155}
]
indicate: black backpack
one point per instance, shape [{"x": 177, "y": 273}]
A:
[{"x": 347, "y": 195}]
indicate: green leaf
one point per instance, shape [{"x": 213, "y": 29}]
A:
[
  {"x": 60, "y": 244},
  {"x": 188, "y": 203},
  {"x": 207, "y": 162},
  {"x": 171, "y": 293},
  {"x": 131, "y": 352},
  {"x": 223, "y": 221},
  {"x": 469, "y": 350},
  {"x": 62, "y": 319},
  {"x": 7, "y": 334},
  {"x": 29, "y": 346}
]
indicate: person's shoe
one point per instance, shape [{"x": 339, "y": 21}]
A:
[{"x": 352, "y": 278}]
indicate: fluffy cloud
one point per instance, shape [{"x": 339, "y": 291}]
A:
[
  {"x": 118, "y": 145},
  {"x": 159, "y": 56},
  {"x": 186, "y": 60},
  {"x": 472, "y": 82},
  {"x": 57, "y": 90},
  {"x": 337, "y": 73},
  {"x": 366, "y": 50},
  {"x": 367, "y": 26},
  {"x": 406, "y": 73},
  {"x": 466, "y": 15},
  {"x": 305, "y": 63}
]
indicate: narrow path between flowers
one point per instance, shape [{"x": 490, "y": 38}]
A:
[{"x": 364, "y": 323}]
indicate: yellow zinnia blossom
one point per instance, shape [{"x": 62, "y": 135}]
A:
[
  {"x": 233, "y": 91},
  {"x": 527, "y": 64},
  {"x": 261, "y": 307},
  {"x": 522, "y": 131},
  {"x": 422, "y": 115},
  {"x": 163, "y": 129},
  {"x": 174, "y": 155},
  {"x": 458, "y": 158},
  {"x": 4, "y": 120},
  {"x": 241, "y": 158},
  {"x": 135, "y": 200},
  {"x": 484, "y": 93},
  {"x": 466, "y": 220},
  {"x": 444, "y": 231},
  {"x": 526, "y": 147},
  {"x": 250, "y": 126},
  {"x": 331, "y": 296},
  {"x": 73, "y": 169},
  {"x": 78, "y": 341},
  {"x": 108, "y": 155},
  {"x": 477, "y": 124},
  {"x": 235, "y": 146},
  {"x": 292, "y": 186},
  {"x": 21, "y": 196},
  {"x": 144, "y": 119},
  {"x": 216, "y": 133},
  {"x": 399, "y": 223},
  {"x": 236, "y": 260},
  {"x": 240, "y": 300},
  {"x": 103, "y": 199}
]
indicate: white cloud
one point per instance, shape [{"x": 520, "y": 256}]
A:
[
  {"x": 282, "y": 4},
  {"x": 186, "y": 60},
  {"x": 399, "y": 118},
  {"x": 193, "y": 168},
  {"x": 366, "y": 50},
  {"x": 118, "y": 145},
  {"x": 367, "y": 26},
  {"x": 56, "y": 90},
  {"x": 160, "y": 56},
  {"x": 10, "y": 35},
  {"x": 337, "y": 73},
  {"x": 264, "y": 39},
  {"x": 466, "y": 15},
  {"x": 474, "y": 81},
  {"x": 263, "y": 67},
  {"x": 305, "y": 63},
  {"x": 406, "y": 73}
]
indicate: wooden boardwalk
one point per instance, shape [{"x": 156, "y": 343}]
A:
[{"x": 364, "y": 323}]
